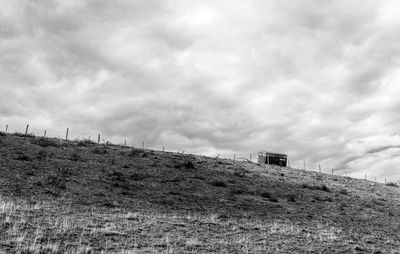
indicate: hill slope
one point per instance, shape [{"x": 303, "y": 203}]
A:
[{"x": 79, "y": 197}]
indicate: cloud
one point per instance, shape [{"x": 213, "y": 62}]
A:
[{"x": 317, "y": 80}]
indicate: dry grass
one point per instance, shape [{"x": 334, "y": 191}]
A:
[
  {"x": 54, "y": 227},
  {"x": 86, "y": 198}
]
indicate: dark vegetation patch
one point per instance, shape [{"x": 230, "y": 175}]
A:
[
  {"x": 100, "y": 150},
  {"x": 218, "y": 183},
  {"x": 269, "y": 196},
  {"x": 24, "y": 157},
  {"x": 239, "y": 172},
  {"x": 291, "y": 198},
  {"x": 22, "y": 135},
  {"x": 392, "y": 184},
  {"x": 138, "y": 176},
  {"x": 323, "y": 198},
  {"x": 322, "y": 187},
  {"x": 85, "y": 142},
  {"x": 42, "y": 154},
  {"x": 135, "y": 153},
  {"x": 343, "y": 191},
  {"x": 75, "y": 156},
  {"x": 186, "y": 164},
  {"x": 45, "y": 142},
  {"x": 3, "y": 134}
]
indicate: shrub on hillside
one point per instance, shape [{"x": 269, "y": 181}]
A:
[
  {"x": 237, "y": 191},
  {"x": 85, "y": 142},
  {"x": 45, "y": 142},
  {"x": 218, "y": 183},
  {"x": 392, "y": 184},
  {"x": 29, "y": 135},
  {"x": 75, "y": 156},
  {"x": 291, "y": 197},
  {"x": 24, "y": 157},
  {"x": 269, "y": 196},
  {"x": 3, "y": 134},
  {"x": 323, "y": 198},
  {"x": 322, "y": 187},
  {"x": 100, "y": 150},
  {"x": 188, "y": 164},
  {"x": 134, "y": 152},
  {"x": 42, "y": 154},
  {"x": 239, "y": 171}
]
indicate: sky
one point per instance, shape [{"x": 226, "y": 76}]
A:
[{"x": 317, "y": 80}]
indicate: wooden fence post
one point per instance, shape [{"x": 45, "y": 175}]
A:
[
  {"x": 98, "y": 139},
  {"x": 125, "y": 142},
  {"x": 66, "y": 134},
  {"x": 332, "y": 171},
  {"x": 250, "y": 157},
  {"x": 319, "y": 166},
  {"x": 163, "y": 148},
  {"x": 6, "y": 128},
  {"x": 234, "y": 157},
  {"x": 304, "y": 161},
  {"x": 365, "y": 177},
  {"x": 26, "y": 130},
  {"x": 44, "y": 135},
  {"x": 143, "y": 145}
]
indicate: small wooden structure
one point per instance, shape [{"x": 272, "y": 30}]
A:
[{"x": 272, "y": 158}]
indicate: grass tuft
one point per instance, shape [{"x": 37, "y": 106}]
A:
[
  {"x": 322, "y": 187},
  {"x": 219, "y": 183},
  {"x": 269, "y": 196}
]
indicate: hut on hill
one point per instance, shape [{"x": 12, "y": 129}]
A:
[{"x": 272, "y": 159}]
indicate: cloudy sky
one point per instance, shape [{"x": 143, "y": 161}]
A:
[{"x": 318, "y": 80}]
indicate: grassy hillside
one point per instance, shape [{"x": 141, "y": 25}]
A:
[{"x": 79, "y": 197}]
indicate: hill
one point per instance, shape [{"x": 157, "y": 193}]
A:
[{"x": 61, "y": 196}]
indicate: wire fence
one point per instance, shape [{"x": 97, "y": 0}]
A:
[{"x": 293, "y": 165}]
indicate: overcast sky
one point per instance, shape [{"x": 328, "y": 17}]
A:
[{"x": 318, "y": 80}]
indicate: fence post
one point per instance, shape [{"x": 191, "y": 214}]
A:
[
  {"x": 6, "y": 128},
  {"x": 26, "y": 130},
  {"x": 98, "y": 139},
  {"x": 385, "y": 180},
  {"x": 163, "y": 148},
  {"x": 125, "y": 142},
  {"x": 304, "y": 161},
  {"x": 332, "y": 171},
  {"x": 143, "y": 145},
  {"x": 250, "y": 157},
  {"x": 365, "y": 177},
  {"x": 44, "y": 135},
  {"x": 66, "y": 135},
  {"x": 319, "y": 166}
]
